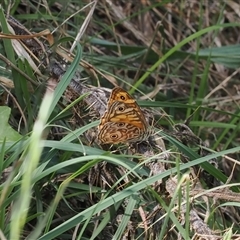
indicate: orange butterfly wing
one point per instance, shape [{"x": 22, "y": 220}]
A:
[{"x": 123, "y": 120}]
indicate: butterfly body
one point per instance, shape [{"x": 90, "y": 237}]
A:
[{"x": 123, "y": 120}]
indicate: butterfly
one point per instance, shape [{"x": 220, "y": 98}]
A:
[{"x": 123, "y": 120}]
